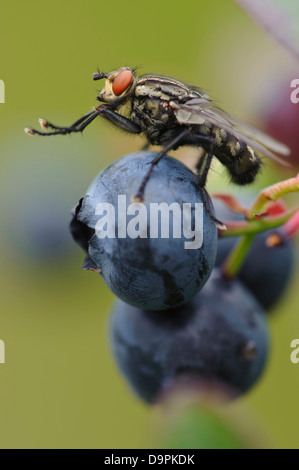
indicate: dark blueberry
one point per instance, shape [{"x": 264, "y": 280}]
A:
[
  {"x": 267, "y": 270},
  {"x": 220, "y": 336},
  {"x": 149, "y": 272},
  {"x": 34, "y": 223}
]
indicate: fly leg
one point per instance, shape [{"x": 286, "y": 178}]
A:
[
  {"x": 203, "y": 167},
  {"x": 205, "y": 197},
  {"x": 208, "y": 205},
  {"x": 48, "y": 125},
  {"x": 200, "y": 162},
  {"x": 171, "y": 145},
  {"x": 205, "y": 161},
  {"x": 78, "y": 126},
  {"x": 145, "y": 146}
]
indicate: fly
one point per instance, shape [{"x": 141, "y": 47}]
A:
[{"x": 171, "y": 114}]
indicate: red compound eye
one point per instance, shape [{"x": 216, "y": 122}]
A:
[{"x": 121, "y": 82}]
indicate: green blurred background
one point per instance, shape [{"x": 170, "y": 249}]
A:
[{"x": 60, "y": 386}]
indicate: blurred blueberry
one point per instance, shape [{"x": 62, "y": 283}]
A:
[
  {"x": 36, "y": 196},
  {"x": 219, "y": 337},
  {"x": 267, "y": 270}
]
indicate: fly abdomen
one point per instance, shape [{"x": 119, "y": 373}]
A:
[{"x": 239, "y": 158}]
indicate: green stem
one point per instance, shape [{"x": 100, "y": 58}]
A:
[
  {"x": 254, "y": 227},
  {"x": 272, "y": 193},
  {"x": 254, "y": 224},
  {"x": 236, "y": 258}
]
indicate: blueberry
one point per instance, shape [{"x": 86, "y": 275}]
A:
[
  {"x": 34, "y": 224},
  {"x": 267, "y": 270},
  {"x": 220, "y": 335},
  {"x": 148, "y": 272}
]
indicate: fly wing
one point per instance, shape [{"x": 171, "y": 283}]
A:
[
  {"x": 197, "y": 111},
  {"x": 265, "y": 139}
]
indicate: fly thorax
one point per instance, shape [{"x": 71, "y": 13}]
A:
[{"x": 151, "y": 112}]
